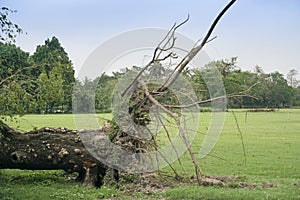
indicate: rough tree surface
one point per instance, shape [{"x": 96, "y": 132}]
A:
[{"x": 50, "y": 149}]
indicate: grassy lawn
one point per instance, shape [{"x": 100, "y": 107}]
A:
[{"x": 272, "y": 167}]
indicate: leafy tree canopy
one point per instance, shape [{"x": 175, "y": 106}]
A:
[{"x": 47, "y": 58}]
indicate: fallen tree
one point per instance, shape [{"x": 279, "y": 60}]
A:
[
  {"x": 50, "y": 149},
  {"x": 60, "y": 148}
]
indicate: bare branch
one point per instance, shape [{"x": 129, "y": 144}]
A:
[
  {"x": 233, "y": 95},
  {"x": 211, "y": 39},
  {"x": 172, "y": 37},
  {"x": 193, "y": 52}
]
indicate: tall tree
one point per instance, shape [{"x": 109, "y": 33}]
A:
[
  {"x": 292, "y": 78},
  {"x": 280, "y": 93},
  {"x": 83, "y": 96},
  {"x": 297, "y": 97},
  {"x": 12, "y": 59},
  {"x": 103, "y": 97},
  {"x": 16, "y": 82},
  {"x": 52, "y": 54}
]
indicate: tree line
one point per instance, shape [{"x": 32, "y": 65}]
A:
[
  {"x": 264, "y": 90},
  {"x": 44, "y": 83}
]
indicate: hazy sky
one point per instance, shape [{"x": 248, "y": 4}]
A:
[{"x": 258, "y": 32}]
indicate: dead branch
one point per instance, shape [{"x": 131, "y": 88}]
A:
[
  {"x": 229, "y": 96},
  {"x": 194, "y": 51},
  {"x": 162, "y": 47}
]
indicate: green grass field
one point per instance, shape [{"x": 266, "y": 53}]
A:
[{"x": 272, "y": 145}]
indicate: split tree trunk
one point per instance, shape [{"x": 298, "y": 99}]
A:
[{"x": 49, "y": 149}]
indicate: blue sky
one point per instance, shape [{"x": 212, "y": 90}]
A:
[{"x": 258, "y": 32}]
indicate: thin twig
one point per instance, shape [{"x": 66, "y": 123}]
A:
[
  {"x": 165, "y": 158},
  {"x": 157, "y": 52},
  {"x": 233, "y": 95},
  {"x": 169, "y": 138},
  {"x": 241, "y": 135},
  {"x": 164, "y": 48}
]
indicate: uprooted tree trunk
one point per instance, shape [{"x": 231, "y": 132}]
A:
[{"x": 50, "y": 149}]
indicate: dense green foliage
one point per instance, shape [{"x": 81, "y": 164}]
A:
[
  {"x": 16, "y": 83},
  {"x": 39, "y": 83},
  {"x": 55, "y": 76}
]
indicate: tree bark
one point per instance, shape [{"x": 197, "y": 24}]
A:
[{"x": 50, "y": 149}]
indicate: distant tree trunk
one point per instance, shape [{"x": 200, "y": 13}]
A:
[{"x": 50, "y": 149}]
